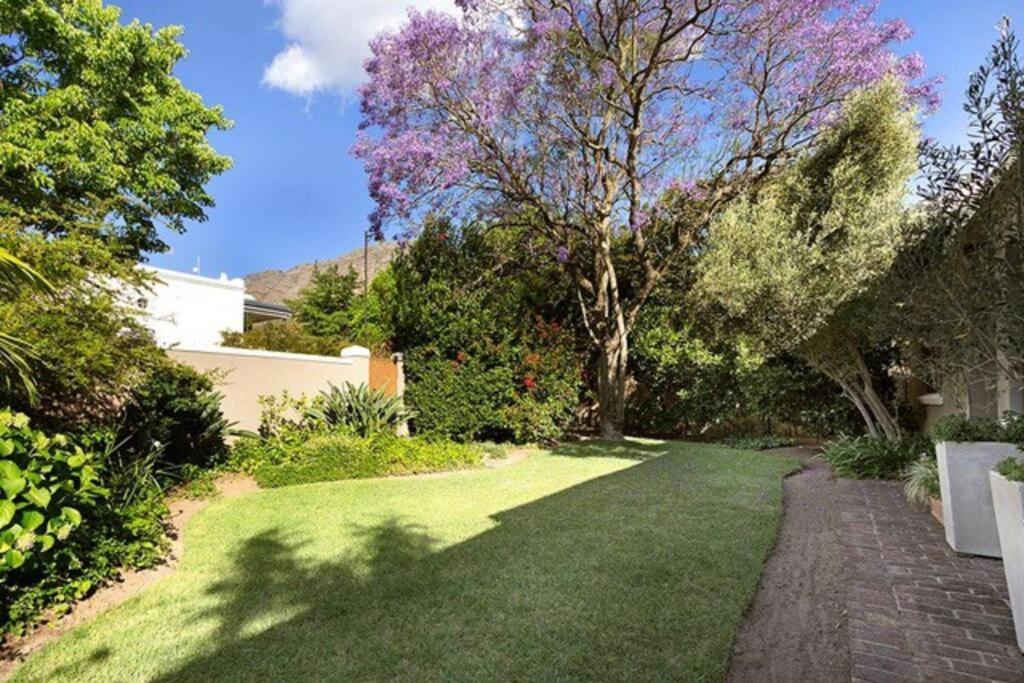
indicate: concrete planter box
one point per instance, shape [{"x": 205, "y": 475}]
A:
[
  {"x": 1008, "y": 498},
  {"x": 967, "y": 511}
]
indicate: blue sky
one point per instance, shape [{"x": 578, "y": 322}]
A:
[{"x": 284, "y": 71}]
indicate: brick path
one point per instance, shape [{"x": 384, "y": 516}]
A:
[{"x": 917, "y": 610}]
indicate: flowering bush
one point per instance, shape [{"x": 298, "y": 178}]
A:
[{"x": 481, "y": 360}]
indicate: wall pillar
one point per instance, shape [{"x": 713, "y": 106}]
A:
[
  {"x": 399, "y": 361},
  {"x": 360, "y": 357}
]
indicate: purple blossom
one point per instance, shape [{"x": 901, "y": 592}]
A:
[
  {"x": 563, "y": 254},
  {"x": 471, "y": 113}
]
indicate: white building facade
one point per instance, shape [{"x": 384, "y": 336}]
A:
[{"x": 191, "y": 311}]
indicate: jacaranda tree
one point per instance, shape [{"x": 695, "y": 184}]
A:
[{"x": 598, "y": 119}]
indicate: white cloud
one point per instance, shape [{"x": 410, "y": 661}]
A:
[{"x": 328, "y": 40}]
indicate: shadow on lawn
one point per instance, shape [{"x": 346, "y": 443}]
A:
[
  {"x": 597, "y": 581},
  {"x": 597, "y": 448}
]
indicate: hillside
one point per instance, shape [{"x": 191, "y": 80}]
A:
[{"x": 278, "y": 286}]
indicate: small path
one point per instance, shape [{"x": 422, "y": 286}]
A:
[
  {"x": 918, "y": 611},
  {"x": 862, "y": 587},
  {"x": 130, "y": 583},
  {"x": 796, "y": 630}
]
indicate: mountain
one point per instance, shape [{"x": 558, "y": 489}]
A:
[{"x": 278, "y": 286}]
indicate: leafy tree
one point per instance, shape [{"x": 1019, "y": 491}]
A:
[
  {"x": 583, "y": 116},
  {"x": 959, "y": 293},
  {"x": 96, "y": 133},
  {"x": 325, "y": 306},
  {"x": 795, "y": 260}
]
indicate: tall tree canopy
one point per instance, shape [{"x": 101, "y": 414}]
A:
[
  {"x": 602, "y": 118},
  {"x": 797, "y": 261},
  {"x": 96, "y": 133}
]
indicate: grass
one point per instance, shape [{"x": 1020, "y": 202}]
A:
[{"x": 602, "y": 561}]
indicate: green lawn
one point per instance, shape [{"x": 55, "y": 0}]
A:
[{"x": 621, "y": 562}]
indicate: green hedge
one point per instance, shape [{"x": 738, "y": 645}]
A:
[
  {"x": 331, "y": 457},
  {"x": 960, "y": 429}
]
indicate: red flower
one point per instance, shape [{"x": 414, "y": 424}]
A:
[
  {"x": 460, "y": 357},
  {"x": 529, "y": 382}
]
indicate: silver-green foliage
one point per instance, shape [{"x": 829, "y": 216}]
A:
[{"x": 921, "y": 481}]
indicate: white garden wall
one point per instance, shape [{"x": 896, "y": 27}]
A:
[{"x": 247, "y": 374}]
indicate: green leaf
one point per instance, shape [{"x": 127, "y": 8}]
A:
[
  {"x": 46, "y": 542},
  {"x": 8, "y": 468},
  {"x": 13, "y": 559},
  {"x": 12, "y": 486},
  {"x": 31, "y": 519},
  {"x": 7, "y": 510},
  {"x": 76, "y": 461},
  {"x": 38, "y": 497},
  {"x": 72, "y": 515}
]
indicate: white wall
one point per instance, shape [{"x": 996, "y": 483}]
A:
[
  {"x": 191, "y": 311},
  {"x": 245, "y": 374}
]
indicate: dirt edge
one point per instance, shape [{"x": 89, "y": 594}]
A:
[{"x": 130, "y": 583}]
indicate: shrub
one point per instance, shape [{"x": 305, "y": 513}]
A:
[
  {"x": 1012, "y": 469},
  {"x": 470, "y": 307},
  {"x": 330, "y": 457},
  {"x": 177, "y": 412},
  {"x": 108, "y": 519},
  {"x": 758, "y": 443},
  {"x": 960, "y": 429},
  {"x": 286, "y": 336},
  {"x": 868, "y": 457},
  {"x": 357, "y": 409},
  {"x": 46, "y": 483},
  {"x": 921, "y": 481},
  {"x": 522, "y": 393}
]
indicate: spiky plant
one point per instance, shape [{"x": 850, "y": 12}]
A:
[
  {"x": 17, "y": 276},
  {"x": 358, "y": 409}
]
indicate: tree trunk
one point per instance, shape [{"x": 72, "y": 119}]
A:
[
  {"x": 883, "y": 418},
  {"x": 611, "y": 385}
]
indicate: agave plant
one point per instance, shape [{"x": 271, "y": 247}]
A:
[
  {"x": 15, "y": 277},
  {"x": 357, "y": 409}
]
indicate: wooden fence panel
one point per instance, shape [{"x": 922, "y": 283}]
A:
[{"x": 384, "y": 375}]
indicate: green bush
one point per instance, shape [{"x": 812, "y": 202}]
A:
[
  {"x": 867, "y": 457},
  {"x": 330, "y": 457},
  {"x": 960, "y": 429},
  {"x": 1011, "y": 468},
  {"x": 287, "y": 336},
  {"x": 358, "y": 410},
  {"x": 758, "y": 443},
  {"x": 921, "y": 481},
  {"x": 177, "y": 412},
  {"x": 47, "y": 482},
  {"x": 470, "y": 308},
  {"x": 98, "y": 520}
]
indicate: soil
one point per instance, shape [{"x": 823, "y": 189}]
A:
[
  {"x": 796, "y": 629},
  {"x": 182, "y": 509}
]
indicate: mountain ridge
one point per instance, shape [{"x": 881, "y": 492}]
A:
[{"x": 278, "y": 286}]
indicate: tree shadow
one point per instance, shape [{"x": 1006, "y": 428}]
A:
[
  {"x": 600, "y": 580},
  {"x": 598, "y": 448}
]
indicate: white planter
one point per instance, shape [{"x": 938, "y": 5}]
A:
[
  {"x": 1008, "y": 498},
  {"x": 967, "y": 496}
]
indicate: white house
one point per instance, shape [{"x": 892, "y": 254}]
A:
[{"x": 191, "y": 311}]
